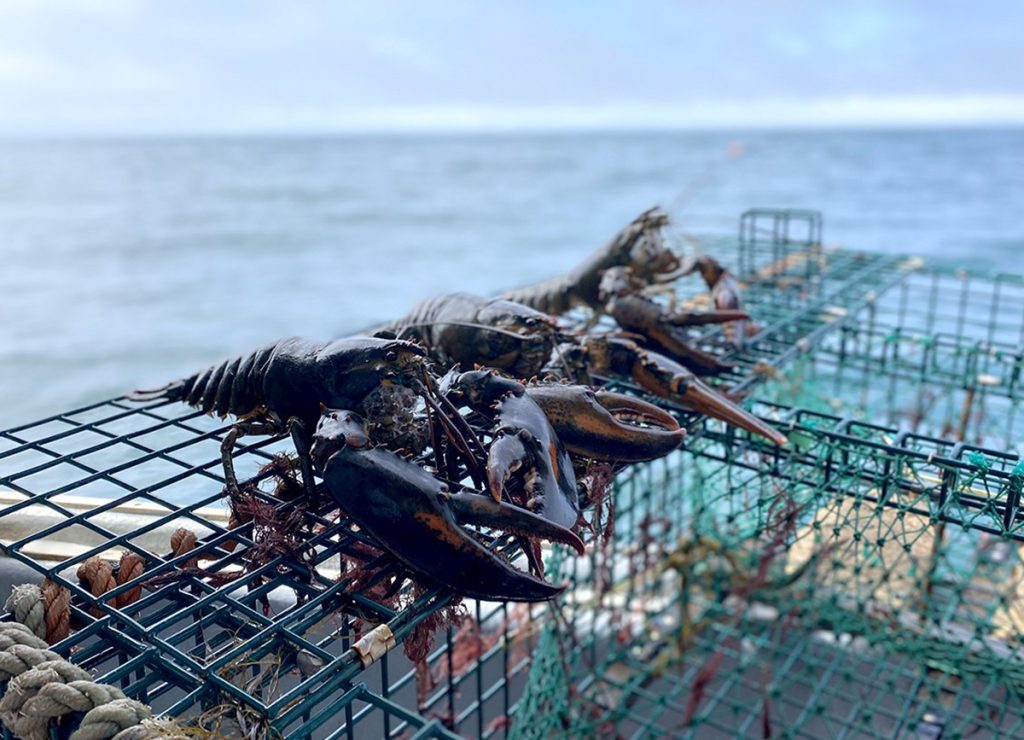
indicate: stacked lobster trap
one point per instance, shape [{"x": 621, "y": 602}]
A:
[{"x": 861, "y": 581}]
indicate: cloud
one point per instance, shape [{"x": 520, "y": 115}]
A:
[
  {"x": 26, "y": 69},
  {"x": 139, "y": 65}
]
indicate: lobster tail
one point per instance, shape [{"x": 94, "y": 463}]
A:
[
  {"x": 233, "y": 386},
  {"x": 638, "y": 245}
]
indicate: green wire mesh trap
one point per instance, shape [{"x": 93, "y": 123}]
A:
[{"x": 861, "y": 582}]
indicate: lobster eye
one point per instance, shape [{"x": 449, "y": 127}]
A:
[{"x": 390, "y": 356}]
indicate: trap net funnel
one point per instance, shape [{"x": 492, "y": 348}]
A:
[{"x": 860, "y": 582}]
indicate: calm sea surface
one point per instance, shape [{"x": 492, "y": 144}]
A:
[{"x": 128, "y": 263}]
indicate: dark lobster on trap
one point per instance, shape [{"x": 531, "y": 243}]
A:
[{"x": 758, "y": 487}]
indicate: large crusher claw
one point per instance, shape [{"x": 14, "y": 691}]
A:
[
  {"x": 416, "y": 519},
  {"x": 607, "y": 426}
]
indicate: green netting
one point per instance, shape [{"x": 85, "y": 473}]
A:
[
  {"x": 865, "y": 582},
  {"x": 797, "y": 606}
]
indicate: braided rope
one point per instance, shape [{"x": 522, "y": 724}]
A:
[
  {"x": 98, "y": 575},
  {"x": 26, "y": 604},
  {"x": 112, "y": 720},
  {"x": 182, "y": 541},
  {"x": 17, "y": 659},
  {"x": 42, "y": 686},
  {"x": 15, "y": 707},
  {"x": 132, "y": 566},
  {"x": 57, "y": 606},
  {"x": 154, "y": 729}
]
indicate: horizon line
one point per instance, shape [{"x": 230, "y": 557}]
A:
[
  {"x": 837, "y": 113},
  {"x": 214, "y": 132}
]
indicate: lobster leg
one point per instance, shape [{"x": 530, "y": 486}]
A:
[
  {"x": 300, "y": 438},
  {"x": 227, "y": 446}
]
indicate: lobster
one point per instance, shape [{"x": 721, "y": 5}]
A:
[
  {"x": 639, "y": 245},
  {"x": 411, "y": 511},
  {"x": 461, "y": 328}
]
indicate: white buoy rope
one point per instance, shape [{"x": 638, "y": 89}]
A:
[
  {"x": 42, "y": 686},
  {"x": 26, "y": 604},
  {"x": 38, "y": 686}
]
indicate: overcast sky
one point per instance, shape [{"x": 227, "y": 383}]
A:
[{"x": 121, "y": 66}]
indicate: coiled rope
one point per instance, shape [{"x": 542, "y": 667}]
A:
[{"x": 42, "y": 686}]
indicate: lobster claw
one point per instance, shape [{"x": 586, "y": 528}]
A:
[
  {"x": 414, "y": 517},
  {"x": 597, "y": 424},
  {"x": 337, "y": 428},
  {"x": 670, "y": 380},
  {"x": 664, "y": 332},
  {"x": 526, "y": 460},
  {"x": 700, "y": 318},
  {"x": 725, "y": 291},
  {"x": 481, "y": 511},
  {"x": 507, "y": 454}
]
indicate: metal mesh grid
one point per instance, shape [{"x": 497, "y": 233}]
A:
[
  {"x": 888, "y": 608},
  {"x": 189, "y": 644},
  {"x": 940, "y": 355},
  {"x": 243, "y": 648}
]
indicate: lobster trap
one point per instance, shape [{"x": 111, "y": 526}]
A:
[{"x": 861, "y": 581}]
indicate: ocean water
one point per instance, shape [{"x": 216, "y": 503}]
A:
[{"x": 127, "y": 263}]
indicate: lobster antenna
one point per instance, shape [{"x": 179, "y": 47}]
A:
[{"x": 565, "y": 363}]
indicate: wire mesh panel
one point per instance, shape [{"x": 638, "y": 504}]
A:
[
  {"x": 940, "y": 355},
  {"x": 260, "y": 636},
  {"x": 860, "y": 582},
  {"x": 777, "y": 243}
]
